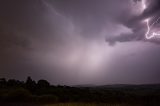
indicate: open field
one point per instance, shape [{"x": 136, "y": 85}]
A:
[
  {"x": 89, "y": 104},
  {"x": 73, "y": 104}
]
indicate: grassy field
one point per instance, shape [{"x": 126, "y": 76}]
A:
[{"x": 87, "y": 104}]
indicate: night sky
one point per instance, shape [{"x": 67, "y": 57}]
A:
[{"x": 80, "y": 41}]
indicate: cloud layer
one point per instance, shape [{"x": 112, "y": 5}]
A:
[{"x": 78, "y": 41}]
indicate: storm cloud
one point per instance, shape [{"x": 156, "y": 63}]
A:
[{"x": 78, "y": 41}]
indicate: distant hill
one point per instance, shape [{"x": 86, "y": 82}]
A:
[{"x": 151, "y": 86}]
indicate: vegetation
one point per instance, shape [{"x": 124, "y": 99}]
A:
[
  {"x": 88, "y": 104},
  {"x": 43, "y": 92}
]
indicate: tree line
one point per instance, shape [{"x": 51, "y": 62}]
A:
[{"x": 43, "y": 92}]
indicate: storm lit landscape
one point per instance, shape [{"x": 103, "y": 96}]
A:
[{"x": 79, "y": 52}]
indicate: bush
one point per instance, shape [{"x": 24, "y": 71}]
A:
[
  {"x": 47, "y": 98},
  {"x": 19, "y": 94}
]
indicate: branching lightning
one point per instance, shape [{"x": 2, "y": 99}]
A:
[
  {"x": 149, "y": 35},
  {"x": 153, "y": 34}
]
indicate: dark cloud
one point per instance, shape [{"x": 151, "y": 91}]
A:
[
  {"x": 66, "y": 41},
  {"x": 136, "y": 24},
  {"x": 152, "y": 8}
]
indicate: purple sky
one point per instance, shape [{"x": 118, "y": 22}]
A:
[{"x": 79, "y": 41}]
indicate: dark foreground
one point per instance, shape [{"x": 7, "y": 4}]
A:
[
  {"x": 41, "y": 93},
  {"x": 73, "y": 104}
]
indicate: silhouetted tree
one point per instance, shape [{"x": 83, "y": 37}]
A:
[
  {"x": 3, "y": 82},
  {"x": 15, "y": 83},
  {"x": 12, "y": 82},
  {"x": 43, "y": 83},
  {"x": 30, "y": 84}
]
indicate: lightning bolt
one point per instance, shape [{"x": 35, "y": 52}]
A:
[
  {"x": 153, "y": 34},
  {"x": 149, "y": 35}
]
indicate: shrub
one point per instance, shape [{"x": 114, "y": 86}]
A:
[
  {"x": 47, "y": 98},
  {"x": 18, "y": 94}
]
